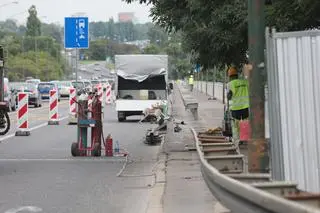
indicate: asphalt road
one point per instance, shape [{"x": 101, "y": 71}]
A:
[
  {"x": 90, "y": 71},
  {"x": 37, "y": 116},
  {"x": 38, "y": 174}
]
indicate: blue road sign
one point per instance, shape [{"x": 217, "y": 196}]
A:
[{"x": 76, "y": 32}]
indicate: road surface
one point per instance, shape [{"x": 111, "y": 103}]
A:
[
  {"x": 87, "y": 71},
  {"x": 38, "y": 173},
  {"x": 37, "y": 116}
]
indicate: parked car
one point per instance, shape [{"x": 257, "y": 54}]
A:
[
  {"x": 78, "y": 85},
  {"x": 9, "y": 96},
  {"x": 64, "y": 88},
  {"x": 34, "y": 96},
  {"x": 87, "y": 85},
  {"x": 33, "y": 81},
  {"x": 45, "y": 87}
]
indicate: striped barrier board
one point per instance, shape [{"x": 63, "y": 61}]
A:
[
  {"x": 100, "y": 93},
  {"x": 108, "y": 95},
  {"x": 72, "y": 106},
  {"x": 22, "y": 121},
  {"x": 103, "y": 99},
  {"x": 90, "y": 103},
  {"x": 53, "y": 108}
]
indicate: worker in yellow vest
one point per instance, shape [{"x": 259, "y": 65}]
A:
[
  {"x": 238, "y": 94},
  {"x": 191, "y": 82}
]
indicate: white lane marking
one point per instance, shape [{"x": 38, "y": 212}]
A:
[
  {"x": 30, "y": 129},
  {"x": 24, "y": 208}
]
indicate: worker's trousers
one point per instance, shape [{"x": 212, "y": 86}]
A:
[{"x": 236, "y": 131}]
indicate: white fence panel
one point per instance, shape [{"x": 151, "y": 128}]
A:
[{"x": 294, "y": 102}]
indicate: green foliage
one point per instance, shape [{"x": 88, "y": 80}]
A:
[
  {"x": 52, "y": 30},
  {"x": 40, "y": 65},
  {"x": 152, "y": 49},
  {"x": 157, "y": 35},
  {"x": 215, "y": 31},
  {"x": 119, "y": 31},
  {"x": 100, "y": 49},
  {"x": 33, "y": 23}
]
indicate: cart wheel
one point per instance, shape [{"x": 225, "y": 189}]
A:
[
  {"x": 75, "y": 150},
  {"x": 96, "y": 150}
]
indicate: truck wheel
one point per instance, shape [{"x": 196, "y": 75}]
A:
[
  {"x": 121, "y": 116},
  {"x": 74, "y": 150}
]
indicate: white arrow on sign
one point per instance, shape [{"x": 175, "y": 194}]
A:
[{"x": 24, "y": 208}]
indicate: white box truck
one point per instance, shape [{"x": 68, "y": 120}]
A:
[{"x": 141, "y": 81}]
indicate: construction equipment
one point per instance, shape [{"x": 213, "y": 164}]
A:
[
  {"x": 226, "y": 123},
  {"x": 94, "y": 121}
]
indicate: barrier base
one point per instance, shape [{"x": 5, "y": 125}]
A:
[
  {"x": 53, "y": 122},
  {"x": 73, "y": 119},
  {"x": 22, "y": 133}
]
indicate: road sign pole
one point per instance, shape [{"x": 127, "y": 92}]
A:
[
  {"x": 76, "y": 67},
  {"x": 258, "y": 158}
]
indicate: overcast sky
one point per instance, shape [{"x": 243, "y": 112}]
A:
[{"x": 55, "y": 10}]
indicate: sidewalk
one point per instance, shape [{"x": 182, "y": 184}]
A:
[{"x": 185, "y": 189}]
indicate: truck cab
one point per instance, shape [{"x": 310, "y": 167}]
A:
[{"x": 141, "y": 82}]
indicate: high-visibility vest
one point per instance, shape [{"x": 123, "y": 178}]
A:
[
  {"x": 240, "y": 94},
  {"x": 190, "y": 80}
]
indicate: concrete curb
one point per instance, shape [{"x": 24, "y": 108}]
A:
[{"x": 155, "y": 203}]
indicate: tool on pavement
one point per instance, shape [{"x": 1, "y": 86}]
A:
[{"x": 226, "y": 123}]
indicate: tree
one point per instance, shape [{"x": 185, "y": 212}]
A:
[
  {"x": 33, "y": 23},
  {"x": 157, "y": 35},
  {"x": 151, "y": 49},
  {"x": 9, "y": 26},
  {"x": 215, "y": 31},
  {"x": 52, "y": 30}
]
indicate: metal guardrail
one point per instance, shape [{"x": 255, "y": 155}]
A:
[
  {"x": 242, "y": 197},
  {"x": 189, "y": 102}
]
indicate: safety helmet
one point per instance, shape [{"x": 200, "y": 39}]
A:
[
  {"x": 191, "y": 76},
  {"x": 232, "y": 71}
]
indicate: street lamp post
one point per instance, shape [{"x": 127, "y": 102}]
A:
[
  {"x": 258, "y": 158},
  {"x": 9, "y": 3}
]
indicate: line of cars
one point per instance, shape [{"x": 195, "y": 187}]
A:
[{"x": 38, "y": 91}]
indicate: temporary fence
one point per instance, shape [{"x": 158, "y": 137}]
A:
[{"x": 293, "y": 61}]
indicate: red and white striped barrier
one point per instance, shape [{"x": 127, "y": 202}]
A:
[
  {"x": 108, "y": 95},
  {"x": 100, "y": 93},
  {"x": 23, "y": 123},
  {"x": 90, "y": 103},
  {"x": 72, "y": 106},
  {"x": 72, "y": 101},
  {"x": 53, "y": 108}
]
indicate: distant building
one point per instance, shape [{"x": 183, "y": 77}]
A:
[{"x": 126, "y": 17}]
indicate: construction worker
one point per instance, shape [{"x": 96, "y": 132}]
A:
[
  {"x": 238, "y": 94},
  {"x": 191, "y": 82}
]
